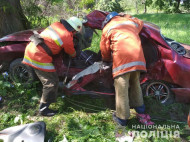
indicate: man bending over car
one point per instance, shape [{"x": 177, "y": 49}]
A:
[
  {"x": 39, "y": 52},
  {"x": 120, "y": 43}
]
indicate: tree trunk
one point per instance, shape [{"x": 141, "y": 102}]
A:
[
  {"x": 178, "y": 3},
  {"x": 12, "y": 18},
  {"x": 136, "y": 6},
  {"x": 145, "y": 10}
]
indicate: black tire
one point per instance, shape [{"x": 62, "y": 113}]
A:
[
  {"x": 21, "y": 73},
  {"x": 158, "y": 90}
]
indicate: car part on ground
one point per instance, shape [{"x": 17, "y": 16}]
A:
[{"x": 33, "y": 132}]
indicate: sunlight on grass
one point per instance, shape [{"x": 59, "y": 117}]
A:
[
  {"x": 174, "y": 26},
  {"x": 95, "y": 45}
]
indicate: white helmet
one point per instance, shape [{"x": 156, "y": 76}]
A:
[{"x": 75, "y": 23}]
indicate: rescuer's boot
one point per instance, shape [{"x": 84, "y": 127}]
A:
[{"x": 45, "y": 111}]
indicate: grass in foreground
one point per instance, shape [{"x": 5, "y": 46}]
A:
[{"x": 82, "y": 118}]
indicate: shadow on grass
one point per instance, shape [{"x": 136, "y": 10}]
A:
[
  {"x": 175, "y": 112},
  {"x": 50, "y": 135},
  {"x": 87, "y": 103}
]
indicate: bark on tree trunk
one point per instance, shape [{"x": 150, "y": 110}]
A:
[
  {"x": 145, "y": 10},
  {"x": 178, "y": 3},
  {"x": 12, "y": 18},
  {"x": 136, "y": 6}
]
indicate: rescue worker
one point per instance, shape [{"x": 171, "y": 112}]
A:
[
  {"x": 39, "y": 52},
  {"x": 121, "y": 44}
]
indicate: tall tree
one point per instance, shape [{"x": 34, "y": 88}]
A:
[
  {"x": 12, "y": 18},
  {"x": 109, "y": 5},
  {"x": 145, "y": 8},
  {"x": 136, "y": 6},
  {"x": 146, "y": 3},
  {"x": 187, "y": 5},
  {"x": 158, "y": 4},
  {"x": 178, "y": 3}
]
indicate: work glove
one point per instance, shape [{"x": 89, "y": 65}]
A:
[{"x": 106, "y": 65}]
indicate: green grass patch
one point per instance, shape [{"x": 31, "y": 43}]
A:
[
  {"x": 95, "y": 45},
  {"x": 83, "y": 118},
  {"x": 174, "y": 26}
]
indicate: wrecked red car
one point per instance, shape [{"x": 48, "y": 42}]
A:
[{"x": 168, "y": 64}]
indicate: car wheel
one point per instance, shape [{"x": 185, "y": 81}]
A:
[
  {"x": 20, "y": 73},
  {"x": 159, "y": 90}
]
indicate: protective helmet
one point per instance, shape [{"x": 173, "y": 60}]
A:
[
  {"x": 109, "y": 17},
  {"x": 75, "y": 23}
]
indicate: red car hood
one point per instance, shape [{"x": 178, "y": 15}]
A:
[{"x": 19, "y": 36}]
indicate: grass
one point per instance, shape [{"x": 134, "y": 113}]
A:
[
  {"x": 89, "y": 119},
  {"x": 174, "y": 26},
  {"x": 76, "y": 121},
  {"x": 96, "y": 41}
]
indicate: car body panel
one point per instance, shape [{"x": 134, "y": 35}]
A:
[
  {"x": 171, "y": 67},
  {"x": 8, "y": 52},
  {"x": 182, "y": 94},
  {"x": 19, "y": 36}
]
